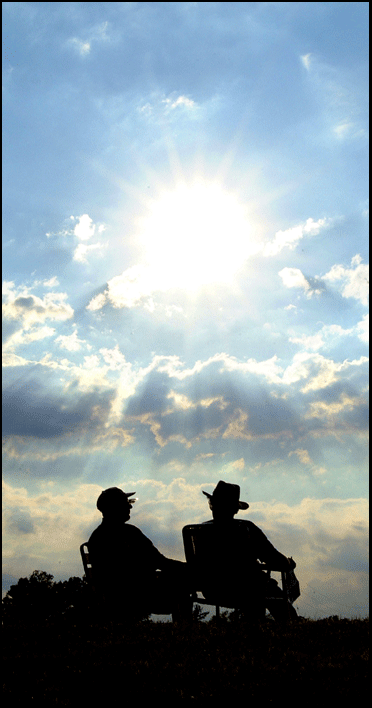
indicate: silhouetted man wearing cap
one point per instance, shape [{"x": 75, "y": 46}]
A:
[
  {"x": 125, "y": 561},
  {"x": 231, "y": 560}
]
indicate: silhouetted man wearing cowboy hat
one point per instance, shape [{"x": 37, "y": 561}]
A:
[
  {"x": 231, "y": 558},
  {"x": 125, "y": 561}
]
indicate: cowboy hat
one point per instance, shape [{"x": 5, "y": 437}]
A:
[{"x": 227, "y": 493}]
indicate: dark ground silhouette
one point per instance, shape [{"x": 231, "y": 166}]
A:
[
  {"x": 68, "y": 658},
  {"x": 77, "y": 665}
]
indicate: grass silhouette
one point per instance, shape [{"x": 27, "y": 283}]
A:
[{"x": 69, "y": 661}]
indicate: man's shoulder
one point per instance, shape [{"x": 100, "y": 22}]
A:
[
  {"x": 95, "y": 534},
  {"x": 245, "y": 523},
  {"x": 108, "y": 530},
  {"x": 133, "y": 531},
  {"x": 250, "y": 526},
  {"x": 238, "y": 523}
]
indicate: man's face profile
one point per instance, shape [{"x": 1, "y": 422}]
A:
[{"x": 115, "y": 506}]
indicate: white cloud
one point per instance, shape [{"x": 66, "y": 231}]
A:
[
  {"x": 23, "y": 337},
  {"x": 88, "y": 375},
  {"x": 294, "y": 278},
  {"x": 354, "y": 280},
  {"x": 82, "y": 250},
  {"x": 180, "y": 101},
  {"x": 332, "y": 410},
  {"x": 83, "y": 48},
  {"x": 306, "y": 61},
  {"x": 291, "y": 237},
  {"x": 97, "y": 302},
  {"x": 114, "y": 358},
  {"x": 31, "y": 310},
  {"x": 84, "y": 228},
  {"x": 302, "y": 455},
  {"x": 328, "y": 370},
  {"x": 363, "y": 328},
  {"x": 71, "y": 342},
  {"x": 11, "y": 359},
  {"x": 8, "y": 288},
  {"x": 129, "y": 288},
  {"x": 314, "y": 341},
  {"x": 327, "y": 335},
  {"x": 53, "y": 282}
]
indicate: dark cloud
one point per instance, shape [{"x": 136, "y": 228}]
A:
[
  {"x": 27, "y": 303},
  {"x": 9, "y": 328},
  {"x": 20, "y": 522},
  {"x": 31, "y": 410},
  {"x": 358, "y": 418},
  {"x": 348, "y": 554},
  {"x": 151, "y": 395},
  {"x": 214, "y": 400}
]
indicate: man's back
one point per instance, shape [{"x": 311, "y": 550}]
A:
[
  {"x": 124, "y": 564},
  {"x": 230, "y": 551},
  {"x": 228, "y": 559},
  {"x": 122, "y": 555}
]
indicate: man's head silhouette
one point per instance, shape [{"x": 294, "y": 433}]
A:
[
  {"x": 115, "y": 504},
  {"x": 225, "y": 501}
]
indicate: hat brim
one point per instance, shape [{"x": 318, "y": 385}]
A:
[{"x": 242, "y": 505}]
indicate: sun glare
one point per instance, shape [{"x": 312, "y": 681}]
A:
[{"x": 195, "y": 235}]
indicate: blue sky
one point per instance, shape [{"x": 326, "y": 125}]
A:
[{"x": 185, "y": 277}]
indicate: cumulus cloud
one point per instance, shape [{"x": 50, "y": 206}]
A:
[
  {"x": 32, "y": 525},
  {"x": 27, "y": 313},
  {"x": 290, "y": 237},
  {"x": 363, "y": 329},
  {"x": 128, "y": 289},
  {"x": 319, "y": 371},
  {"x": 71, "y": 342},
  {"x": 20, "y": 522},
  {"x": 97, "y": 302},
  {"x": 221, "y": 404},
  {"x": 51, "y": 283},
  {"x": 314, "y": 341},
  {"x": 85, "y": 228},
  {"x": 354, "y": 281},
  {"x": 333, "y": 409},
  {"x": 30, "y": 309},
  {"x": 132, "y": 288},
  {"x": 294, "y": 278},
  {"x": 327, "y": 335},
  {"x": 82, "y": 250},
  {"x": 23, "y": 337}
]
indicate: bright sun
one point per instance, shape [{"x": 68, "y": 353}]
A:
[{"x": 195, "y": 235}]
